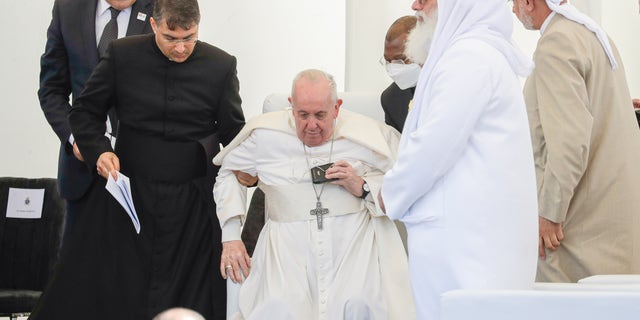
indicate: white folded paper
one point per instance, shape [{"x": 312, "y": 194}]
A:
[{"x": 121, "y": 190}]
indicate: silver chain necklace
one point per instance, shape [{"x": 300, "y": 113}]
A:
[{"x": 318, "y": 211}]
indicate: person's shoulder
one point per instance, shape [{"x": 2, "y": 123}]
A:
[
  {"x": 390, "y": 96},
  {"x": 211, "y": 50},
  {"x": 565, "y": 30},
  {"x": 390, "y": 91},
  {"x": 72, "y": 6},
  {"x": 134, "y": 40},
  {"x": 72, "y": 3},
  {"x": 352, "y": 118},
  {"x": 471, "y": 53}
]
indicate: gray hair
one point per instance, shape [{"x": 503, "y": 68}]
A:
[
  {"x": 314, "y": 75},
  {"x": 177, "y": 13}
]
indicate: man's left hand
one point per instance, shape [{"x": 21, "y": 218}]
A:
[{"x": 347, "y": 177}]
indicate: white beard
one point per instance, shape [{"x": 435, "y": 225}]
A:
[{"x": 419, "y": 38}]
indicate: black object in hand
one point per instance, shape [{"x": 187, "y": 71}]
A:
[{"x": 318, "y": 173}]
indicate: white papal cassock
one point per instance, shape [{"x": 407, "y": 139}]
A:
[{"x": 356, "y": 265}]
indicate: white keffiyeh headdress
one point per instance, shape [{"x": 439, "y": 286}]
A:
[{"x": 572, "y": 13}]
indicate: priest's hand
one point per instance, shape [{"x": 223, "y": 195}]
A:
[
  {"x": 347, "y": 177},
  {"x": 235, "y": 261},
  {"x": 550, "y": 236},
  {"x": 76, "y": 152},
  {"x": 108, "y": 163},
  {"x": 246, "y": 179}
]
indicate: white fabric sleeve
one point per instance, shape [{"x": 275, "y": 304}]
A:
[
  {"x": 458, "y": 93},
  {"x": 232, "y": 229},
  {"x": 231, "y": 196}
]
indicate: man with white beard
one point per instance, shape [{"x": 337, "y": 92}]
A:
[
  {"x": 585, "y": 141},
  {"x": 464, "y": 181}
]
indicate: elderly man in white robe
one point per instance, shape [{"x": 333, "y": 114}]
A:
[
  {"x": 327, "y": 251},
  {"x": 464, "y": 181}
]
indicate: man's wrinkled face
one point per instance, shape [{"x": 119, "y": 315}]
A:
[
  {"x": 177, "y": 44},
  {"x": 314, "y": 111},
  {"x": 426, "y": 6},
  {"x": 521, "y": 13}
]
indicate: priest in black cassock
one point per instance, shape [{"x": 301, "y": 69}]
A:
[{"x": 176, "y": 99}]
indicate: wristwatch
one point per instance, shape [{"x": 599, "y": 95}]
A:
[{"x": 365, "y": 190}]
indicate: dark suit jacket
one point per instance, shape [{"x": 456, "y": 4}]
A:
[
  {"x": 70, "y": 55},
  {"x": 395, "y": 103}
]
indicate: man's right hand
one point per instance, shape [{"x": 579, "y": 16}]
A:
[
  {"x": 108, "y": 163},
  {"x": 245, "y": 179},
  {"x": 76, "y": 152},
  {"x": 550, "y": 236},
  {"x": 235, "y": 261}
]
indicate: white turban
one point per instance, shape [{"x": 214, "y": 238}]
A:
[{"x": 570, "y": 12}]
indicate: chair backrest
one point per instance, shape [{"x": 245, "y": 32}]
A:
[
  {"x": 366, "y": 103},
  {"x": 29, "y": 247}
]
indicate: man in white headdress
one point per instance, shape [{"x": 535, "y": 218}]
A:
[
  {"x": 464, "y": 180},
  {"x": 586, "y": 146},
  {"x": 327, "y": 250}
]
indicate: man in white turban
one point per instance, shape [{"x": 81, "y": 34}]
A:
[
  {"x": 586, "y": 145},
  {"x": 464, "y": 180}
]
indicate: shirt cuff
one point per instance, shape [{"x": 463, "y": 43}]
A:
[
  {"x": 71, "y": 139},
  {"x": 232, "y": 229}
]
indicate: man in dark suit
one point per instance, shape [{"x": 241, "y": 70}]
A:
[
  {"x": 70, "y": 55},
  {"x": 404, "y": 72}
]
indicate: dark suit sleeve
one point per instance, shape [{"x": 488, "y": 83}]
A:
[
  {"x": 55, "y": 82},
  {"x": 386, "y": 100},
  {"x": 89, "y": 113},
  {"x": 230, "y": 118}
]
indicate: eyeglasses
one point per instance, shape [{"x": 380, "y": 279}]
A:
[
  {"x": 185, "y": 41},
  {"x": 383, "y": 61}
]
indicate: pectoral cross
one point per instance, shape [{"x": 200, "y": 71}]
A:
[{"x": 319, "y": 211}]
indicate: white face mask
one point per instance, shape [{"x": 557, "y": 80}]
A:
[{"x": 404, "y": 75}]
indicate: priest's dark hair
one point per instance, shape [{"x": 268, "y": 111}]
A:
[{"x": 177, "y": 13}]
